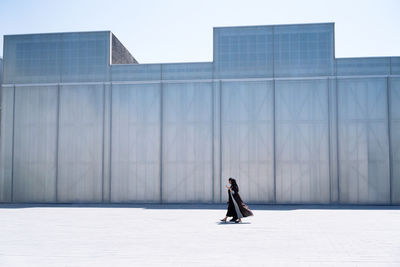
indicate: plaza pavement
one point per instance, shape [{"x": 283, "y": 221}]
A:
[{"x": 191, "y": 235}]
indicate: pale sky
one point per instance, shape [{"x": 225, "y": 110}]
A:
[{"x": 157, "y": 31}]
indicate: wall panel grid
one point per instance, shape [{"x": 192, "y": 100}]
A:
[
  {"x": 6, "y": 145},
  {"x": 394, "y": 112},
  {"x": 187, "y": 119},
  {"x": 35, "y": 144},
  {"x": 286, "y": 141},
  {"x": 363, "y": 141},
  {"x": 302, "y": 141},
  {"x": 80, "y": 143},
  {"x": 247, "y": 139},
  {"x": 135, "y": 151}
]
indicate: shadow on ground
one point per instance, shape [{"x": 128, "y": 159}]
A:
[
  {"x": 195, "y": 206},
  {"x": 231, "y": 223}
]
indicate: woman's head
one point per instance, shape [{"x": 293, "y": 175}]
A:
[{"x": 232, "y": 181}]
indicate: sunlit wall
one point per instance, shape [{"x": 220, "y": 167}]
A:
[{"x": 274, "y": 109}]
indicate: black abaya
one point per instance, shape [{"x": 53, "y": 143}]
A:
[{"x": 236, "y": 207}]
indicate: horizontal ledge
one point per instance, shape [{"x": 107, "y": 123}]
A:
[{"x": 203, "y": 80}]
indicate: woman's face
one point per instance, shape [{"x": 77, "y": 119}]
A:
[{"x": 230, "y": 181}]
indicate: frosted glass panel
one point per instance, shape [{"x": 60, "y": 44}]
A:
[
  {"x": 247, "y": 139},
  {"x": 363, "y": 66},
  {"x": 363, "y": 141},
  {"x": 303, "y": 50},
  {"x": 187, "y": 142},
  {"x": 136, "y": 72},
  {"x": 60, "y": 57},
  {"x": 32, "y": 58},
  {"x": 85, "y": 57},
  {"x": 186, "y": 71},
  {"x": 1, "y": 71},
  {"x": 243, "y": 52},
  {"x": 395, "y": 68},
  {"x": 35, "y": 142},
  {"x": 395, "y": 137},
  {"x": 80, "y": 151},
  {"x": 135, "y": 151},
  {"x": 302, "y": 141}
]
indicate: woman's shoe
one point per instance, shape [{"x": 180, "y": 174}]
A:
[
  {"x": 238, "y": 221},
  {"x": 232, "y": 220},
  {"x": 223, "y": 220}
]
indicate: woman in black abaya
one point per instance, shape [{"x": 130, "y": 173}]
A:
[{"x": 236, "y": 207}]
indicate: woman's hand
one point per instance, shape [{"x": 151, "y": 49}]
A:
[{"x": 228, "y": 187}]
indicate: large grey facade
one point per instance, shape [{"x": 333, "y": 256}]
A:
[{"x": 82, "y": 121}]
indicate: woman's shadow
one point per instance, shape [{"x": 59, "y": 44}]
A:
[{"x": 229, "y": 223}]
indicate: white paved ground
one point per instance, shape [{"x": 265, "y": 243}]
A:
[{"x": 190, "y": 235}]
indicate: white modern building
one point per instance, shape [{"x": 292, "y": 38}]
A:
[{"x": 83, "y": 121}]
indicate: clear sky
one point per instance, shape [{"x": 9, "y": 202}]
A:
[{"x": 157, "y": 31}]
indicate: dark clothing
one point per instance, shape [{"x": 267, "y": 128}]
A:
[
  {"x": 236, "y": 207},
  {"x": 231, "y": 208}
]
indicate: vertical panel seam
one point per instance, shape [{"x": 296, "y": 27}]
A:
[
  {"x": 110, "y": 150},
  {"x": 273, "y": 110},
  {"x": 273, "y": 52},
  {"x": 220, "y": 141},
  {"x": 329, "y": 142},
  {"x": 12, "y": 147},
  {"x": 161, "y": 134},
  {"x": 388, "y": 94},
  {"x": 103, "y": 154},
  {"x": 213, "y": 141},
  {"x": 337, "y": 138},
  {"x": 274, "y": 136},
  {"x": 57, "y": 138},
  {"x": 214, "y": 90}
]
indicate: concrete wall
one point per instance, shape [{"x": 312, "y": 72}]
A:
[{"x": 119, "y": 54}]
